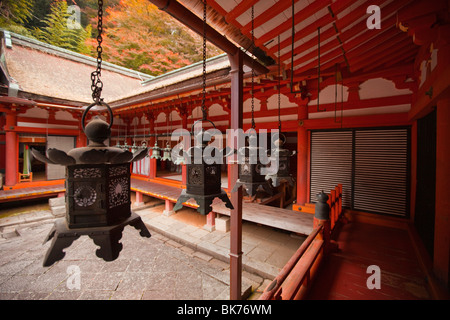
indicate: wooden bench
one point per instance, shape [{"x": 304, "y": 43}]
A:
[
  {"x": 283, "y": 219},
  {"x": 279, "y": 218}
]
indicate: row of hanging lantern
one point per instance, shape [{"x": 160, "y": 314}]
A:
[
  {"x": 203, "y": 177},
  {"x": 250, "y": 177}
]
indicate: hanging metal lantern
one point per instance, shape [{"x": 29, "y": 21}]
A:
[
  {"x": 167, "y": 151},
  {"x": 97, "y": 193},
  {"x": 134, "y": 148},
  {"x": 250, "y": 176},
  {"x": 126, "y": 146},
  {"x": 203, "y": 177},
  {"x": 97, "y": 184},
  {"x": 278, "y": 154},
  {"x": 282, "y": 157},
  {"x": 156, "y": 153}
]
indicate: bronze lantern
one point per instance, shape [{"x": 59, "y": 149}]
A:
[
  {"x": 282, "y": 157},
  {"x": 156, "y": 153},
  {"x": 167, "y": 153},
  {"x": 203, "y": 175},
  {"x": 97, "y": 193},
  {"x": 250, "y": 176}
]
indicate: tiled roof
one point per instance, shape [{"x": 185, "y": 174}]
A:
[{"x": 45, "y": 70}]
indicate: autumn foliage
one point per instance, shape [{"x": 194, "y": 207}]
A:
[
  {"x": 141, "y": 37},
  {"x": 136, "y": 34}
]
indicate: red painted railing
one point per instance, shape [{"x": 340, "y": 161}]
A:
[
  {"x": 296, "y": 274},
  {"x": 335, "y": 203},
  {"x": 294, "y": 280}
]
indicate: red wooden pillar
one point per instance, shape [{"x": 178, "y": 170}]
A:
[
  {"x": 237, "y": 75},
  {"x": 184, "y": 115},
  {"x": 11, "y": 144},
  {"x": 2, "y": 144},
  {"x": 139, "y": 199},
  {"x": 81, "y": 137},
  {"x": 442, "y": 219},
  {"x": 210, "y": 221},
  {"x": 302, "y": 157},
  {"x": 168, "y": 210},
  {"x": 153, "y": 163}
]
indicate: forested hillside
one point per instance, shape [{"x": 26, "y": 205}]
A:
[{"x": 137, "y": 35}]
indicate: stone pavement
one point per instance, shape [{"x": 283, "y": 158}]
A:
[{"x": 179, "y": 262}]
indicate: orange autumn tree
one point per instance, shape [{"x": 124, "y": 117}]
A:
[{"x": 139, "y": 36}]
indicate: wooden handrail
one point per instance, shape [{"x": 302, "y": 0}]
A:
[
  {"x": 293, "y": 281},
  {"x": 275, "y": 285},
  {"x": 294, "y": 285}
]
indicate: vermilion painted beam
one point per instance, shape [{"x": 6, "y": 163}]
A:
[
  {"x": 351, "y": 32},
  {"x": 400, "y": 58},
  {"x": 356, "y": 14},
  {"x": 332, "y": 57},
  {"x": 182, "y": 14},
  {"x": 362, "y": 55},
  {"x": 50, "y": 121},
  {"x": 239, "y": 9},
  {"x": 363, "y": 104},
  {"x": 336, "y": 8},
  {"x": 313, "y": 54},
  {"x": 358, "y": 28},
  {"x": 370, "y": 40},
  {"x": 298, "y": 17},
  {"x": 325, "y": 20},
  {"x": 384, "y": 120},
  {"x": 62, "y": 132},
  {"x": 324, "y": 36},
  {"x": 289, "y": 125},
  {"x": 420, "y": 8},
  {"x": 404, "y": 49},
  {"x": 261, "y": 18}
]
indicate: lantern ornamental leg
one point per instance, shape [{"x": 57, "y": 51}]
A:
[
  {"x": 107, "y": 238},
  {"x": 60, "y": 241}
]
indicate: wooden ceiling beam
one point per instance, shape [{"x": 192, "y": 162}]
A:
[
  {"x": 185, "y": 16},
  {"x": 389, "y": 55},
  {"x": 299, "y": 16},
  {"x": 239, "y": 9},
  {"x": 267, "y": 15},
  {"x": 356, "y": 52}
]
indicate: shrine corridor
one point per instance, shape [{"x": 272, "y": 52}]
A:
[{"x": 344, "y": 275}]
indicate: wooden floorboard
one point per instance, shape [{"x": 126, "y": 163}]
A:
[
  {"x": 30, "y": 193},
  {"x": 344, "y": 275}
]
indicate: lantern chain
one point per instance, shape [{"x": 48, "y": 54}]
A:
[
  {"x": 279, "y": 86},
  {"x": 204, "y": 62},
  {"x": 253, "y": 71},
  {"x": 97, "y": 84}
]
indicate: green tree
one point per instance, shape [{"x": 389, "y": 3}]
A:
[
  {"x": 58, "y": 32},
  {"x": 15, "y": 11}
]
